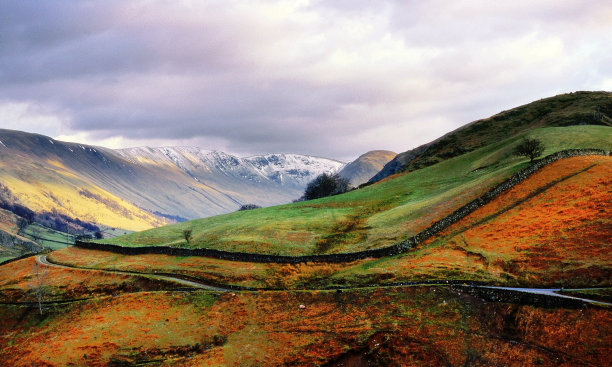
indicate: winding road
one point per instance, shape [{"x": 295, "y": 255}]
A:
[{"x": 551, "y": 292}]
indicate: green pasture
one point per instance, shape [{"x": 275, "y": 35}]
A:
[{"x": 373, "y": 216}]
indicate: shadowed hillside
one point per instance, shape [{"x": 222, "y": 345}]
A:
[{"x": 367, "y": 165}]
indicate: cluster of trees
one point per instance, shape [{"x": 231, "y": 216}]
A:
[{"x": 325, "y": 185}]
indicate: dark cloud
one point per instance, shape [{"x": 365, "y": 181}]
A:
[{"x": 323, "y": 78}]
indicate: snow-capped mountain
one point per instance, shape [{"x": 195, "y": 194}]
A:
[
  {"x": 122, "y": 188},
  {"x": 283, "y": 170}
]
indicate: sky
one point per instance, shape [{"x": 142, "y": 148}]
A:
[{"x": 326, "y": 78}]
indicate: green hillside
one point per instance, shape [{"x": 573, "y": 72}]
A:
[{"x": 374, "y": 216}]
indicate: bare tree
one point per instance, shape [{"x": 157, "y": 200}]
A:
[
  {"x": 38, "y": 284},
  {"x": 531, "y": 148}
]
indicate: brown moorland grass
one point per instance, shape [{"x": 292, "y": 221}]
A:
[
  {"x": 209, "y": 270},
  {"x": 409, "y": 326},
  {"x": 18, "y": 282},
  {"x": 553, "y": 229}
]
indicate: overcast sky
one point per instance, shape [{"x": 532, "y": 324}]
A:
[{"x": 325, "y": 78}]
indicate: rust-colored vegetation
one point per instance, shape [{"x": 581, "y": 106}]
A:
[
  {"x": 554, "y": 229},
  {"x": 207, "y": 270},
  {"x": 409, "y": 326},
  {"x": 19, "y": 280}
]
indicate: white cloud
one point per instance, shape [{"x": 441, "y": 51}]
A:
[{"x": 31, "y": 117}]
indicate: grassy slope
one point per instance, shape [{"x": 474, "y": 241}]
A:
[
  {"x": 551, "y": 230},
  {"x": 48, "y": 186},
  {"x": 374, "y": 216}
]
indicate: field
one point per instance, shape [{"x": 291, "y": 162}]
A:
[
  {"x": 373, "y": 216},
  {"x": 12, "y": 244},
  {"x": 48, "y": 237},
  {"x": 19, "y": 280}
]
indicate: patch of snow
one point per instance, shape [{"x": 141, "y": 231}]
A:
[
  {"x": 2, "y": 143},
  {"x": 291, "y": 170},
  {"x": 51, "y": 141}
]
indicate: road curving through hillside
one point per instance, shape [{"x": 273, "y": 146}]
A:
[{"x": 548, "y": 292}]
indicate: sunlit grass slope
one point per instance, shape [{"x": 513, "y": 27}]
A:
[
  {"x": 374, "y": 216},
  {"x": 49, "y": 186}
]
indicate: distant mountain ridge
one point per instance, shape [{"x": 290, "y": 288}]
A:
[
  {"x": 289, "y": 170},
  {"x": 367, "y": 165},
  {"x": 138, "y": 188}
]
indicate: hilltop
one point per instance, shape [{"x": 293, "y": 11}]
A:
[
  {"x": 578, "y": 108},
  {"x": 365, "y": 166}
]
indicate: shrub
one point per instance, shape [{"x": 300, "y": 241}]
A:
[{"x": 249, "y": 207}]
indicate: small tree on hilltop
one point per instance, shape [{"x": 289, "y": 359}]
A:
[
  {"x": 531, "y": 148},
  {"x": 325, "y": 185},
  {"x": 187, "y": 233}
]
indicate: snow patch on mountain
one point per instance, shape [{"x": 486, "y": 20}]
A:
[{"x": 293, "y": 170}]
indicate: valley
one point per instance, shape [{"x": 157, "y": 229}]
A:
[{"x": 465, "y": 254}]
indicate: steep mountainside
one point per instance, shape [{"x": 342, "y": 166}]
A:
[
  {"x": 145, "y": 187},
  {"x": 367, "y": 165},
  {"x": 579, "y": 108}
]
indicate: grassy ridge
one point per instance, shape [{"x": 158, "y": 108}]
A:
[
  {"x": 580, "y": 108},
  {"x": 374, "y": 216}
]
